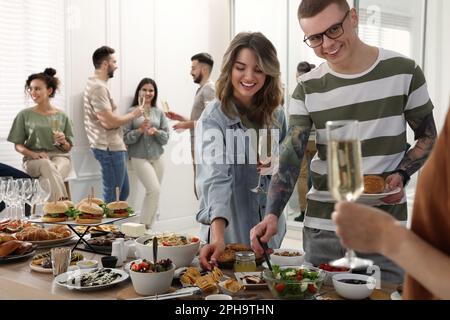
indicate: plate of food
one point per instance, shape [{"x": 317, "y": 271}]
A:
[
  {"x": 42, "y": 262},
  {"x": 91, "y": 279},
  {"x": 380, "y": 195},
  {"x": 375, "y": 187},
  {"x": 251, "y": 280},
  {"x": 44, "y": 237},
  {"x": 17, "y": 257}
]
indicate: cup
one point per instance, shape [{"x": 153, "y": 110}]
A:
[
  {"x": 219, "y": 297},
  {"x": 60, "y": 260},
  {"x": 130, "y": 249},
  {"x": 117, "y": 252},
  {"x": 109, "y": 262}
]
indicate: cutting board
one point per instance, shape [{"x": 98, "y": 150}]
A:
[{"x": 129, "y": 293}]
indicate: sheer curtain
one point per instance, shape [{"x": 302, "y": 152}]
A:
[{"x": 31, "y": 39}]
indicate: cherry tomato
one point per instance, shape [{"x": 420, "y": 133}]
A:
[
  {"x": 312, "y": 288},
  {"x": 280, "y": 287}
]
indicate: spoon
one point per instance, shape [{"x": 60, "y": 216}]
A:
[
  {"x": 266, "y": 256},
  {"x": 155, "y": 250}
]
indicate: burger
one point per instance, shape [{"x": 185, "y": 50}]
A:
[
  {"x": 55, "y": 212},
  {"x": 89, "y": 213},
  {"x": 97, "y": 201},
  {"x": 69, "y": 203},
  {"x": 118, "y": 209}
]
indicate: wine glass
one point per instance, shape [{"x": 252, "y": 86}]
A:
[
  {"x": 345, "y": 177},
  {"x": 264, "y": 158},
  {"x": 26, "y": 194},
  {"x": 55, "y": 125}
]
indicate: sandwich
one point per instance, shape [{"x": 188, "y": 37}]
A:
[
  {"x": 89, "y": 213},
  {"x": 97, "y": 201},
  {"x": 118, "y": 209},
  {"x": 55, "y": 212}
]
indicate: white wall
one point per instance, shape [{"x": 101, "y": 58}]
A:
[
  {"x": 437, "y": 53},
  {"x": 156, "y": 39}
]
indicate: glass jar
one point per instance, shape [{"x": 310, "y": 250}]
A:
[{"x": 244, "y": 261}]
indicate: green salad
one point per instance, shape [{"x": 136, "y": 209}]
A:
[{"x": 295, "y": 283}]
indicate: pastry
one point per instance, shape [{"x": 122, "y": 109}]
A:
[{"x": 373, "y": 184}]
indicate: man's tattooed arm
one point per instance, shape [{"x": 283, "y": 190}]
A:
[
  {"x": 283, "y": 182},
  {"x": 425, "y": 134}
]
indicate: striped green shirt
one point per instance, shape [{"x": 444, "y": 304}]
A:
[{"x": 383, "y": 99}]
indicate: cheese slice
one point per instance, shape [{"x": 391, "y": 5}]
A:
[{"x": 132, "y": 229}]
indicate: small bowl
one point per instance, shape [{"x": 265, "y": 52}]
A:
[
  {"x": 87, "y": 264},
  {"x": 282, "y": 261},
  {"x": 109, "y": 261},
  {"x": 219, "y": 297},
  {"x": 354, "y": 291}
]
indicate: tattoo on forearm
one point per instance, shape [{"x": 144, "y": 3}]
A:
[
  {"x": 283, "y": 182},
  {"x": 425, "y": 133}
]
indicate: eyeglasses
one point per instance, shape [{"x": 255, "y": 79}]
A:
[{"x": 333, "y": 32}]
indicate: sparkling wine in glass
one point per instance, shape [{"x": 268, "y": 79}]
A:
[
  {"x": 264, "y": 158},
  {"x": 165, "y": 106},
  {"x": 345, "y": 177},
  {"x": 55, "y": 125}
]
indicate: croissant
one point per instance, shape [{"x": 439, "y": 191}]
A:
[
  {"x": 36, "y": 234},
  {"x": 62, "y": 231}
]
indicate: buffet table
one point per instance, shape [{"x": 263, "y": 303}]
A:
[{"x": 18, "y": 281}]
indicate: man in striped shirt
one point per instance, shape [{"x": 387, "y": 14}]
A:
[{"x": 381, "y": 89}]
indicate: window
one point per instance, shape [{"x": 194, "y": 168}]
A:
[
  {"x": 31, "y": 39},
  {"x": 394, "y": 25}
]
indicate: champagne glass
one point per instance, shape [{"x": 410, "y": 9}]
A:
[
  {"x": 264, "y": 158},
  {"x": 55, "y": 125},
  {"x": 345, "y": 177},
  {"x": 165, "y": 106}
]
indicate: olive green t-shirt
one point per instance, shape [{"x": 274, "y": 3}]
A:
[{"x": 34, "y": 130}]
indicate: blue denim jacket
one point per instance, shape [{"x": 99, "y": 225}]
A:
[{"x": 224, "y": 188}]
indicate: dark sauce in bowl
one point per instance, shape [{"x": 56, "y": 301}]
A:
[{"x": 353, "y": 281}]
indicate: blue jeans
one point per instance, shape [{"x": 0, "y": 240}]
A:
[{"x": 114, "y": 173}]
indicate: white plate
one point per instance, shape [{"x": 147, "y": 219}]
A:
[
  {"x": 62, "y": 278},
  {"x": 379, "y": 195},
  {"x": 240, "y": 275},
  {"x": 40, "y": 269}
]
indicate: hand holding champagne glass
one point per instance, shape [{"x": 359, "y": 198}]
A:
[
  {"x": 264, "y": 158},
  {"x": 345, "y": 177},
  {"x": 55, "y": 125}
]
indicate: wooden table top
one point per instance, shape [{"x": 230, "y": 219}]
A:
[{"x": 18, "y": 281}]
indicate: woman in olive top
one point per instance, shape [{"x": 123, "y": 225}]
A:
[
  {"x": 43, "y": 134},
  {"x": 145, "y": 137}
]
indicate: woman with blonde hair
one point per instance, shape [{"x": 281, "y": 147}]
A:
[
  {"x": 249, "y": 94},
  {"x": 43, "y": 134}
]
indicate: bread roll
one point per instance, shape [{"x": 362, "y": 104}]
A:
[{"x": 9, "y": 247}]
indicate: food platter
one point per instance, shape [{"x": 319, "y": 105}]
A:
[
  {"x": 379, "y": 195},
  {"x": 64, "y": 278},
  {"x": 42, "y": 243},
  {"x": 241, "y": 278},
  {"x": 12, "y": 258}
]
